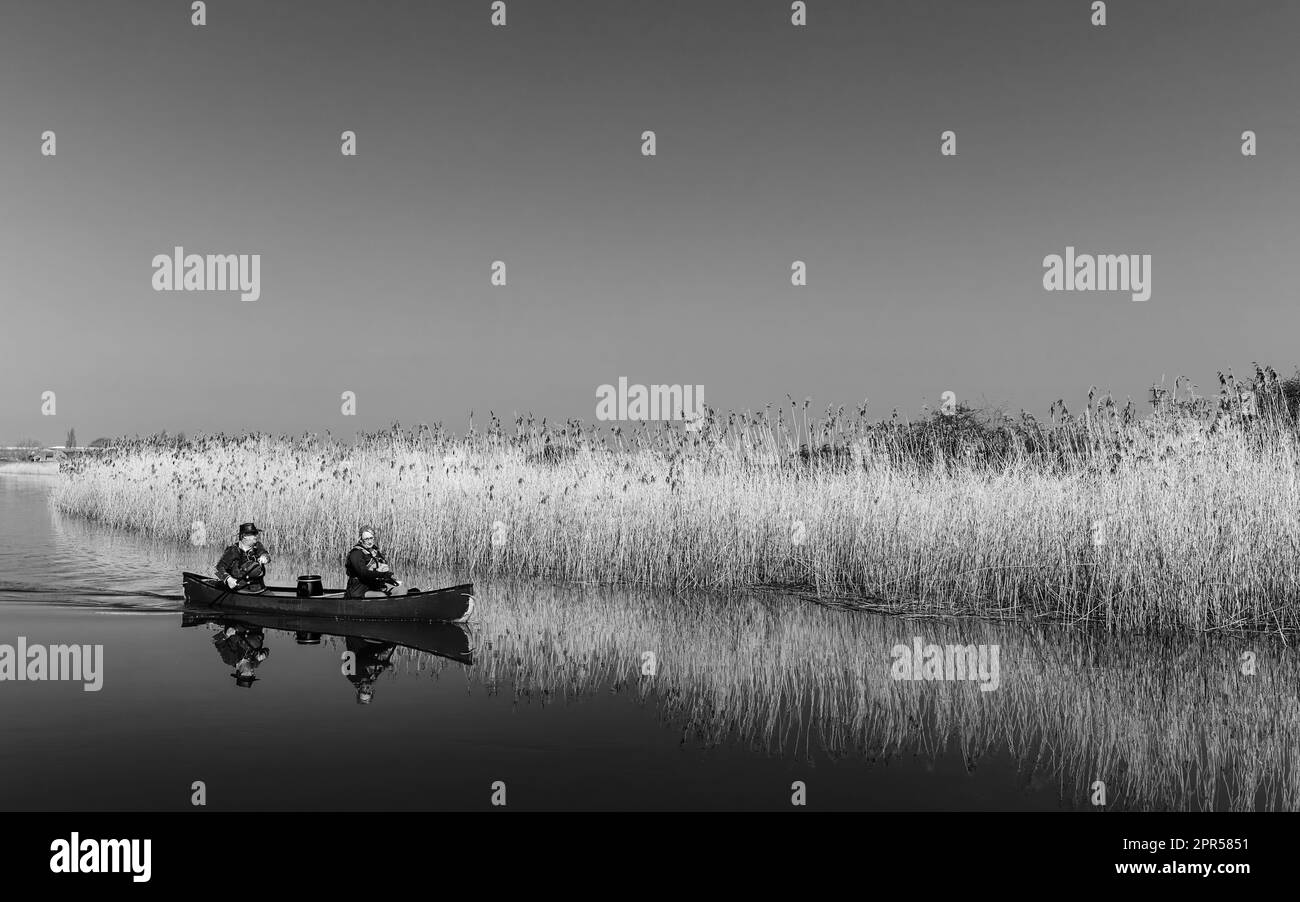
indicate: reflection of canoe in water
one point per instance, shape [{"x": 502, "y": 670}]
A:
[
  {"x": 447, "y": 640},
  {"x": 454, "y": 604}
]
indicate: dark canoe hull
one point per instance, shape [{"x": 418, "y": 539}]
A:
[
  {"x": 447, "y": 640},
  {"x": 451, "y": 605}
]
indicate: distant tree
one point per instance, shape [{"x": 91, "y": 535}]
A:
[
  {"x": 180, "y": 438},
  {"x": 101, "y": 443},
  {"x": 29, "y": 443},
  {"x": 71, "y": 441}
]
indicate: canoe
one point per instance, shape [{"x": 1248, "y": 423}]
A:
[
  {"x": 454, "y": 604},
  {"x": 446, "y": 640}
]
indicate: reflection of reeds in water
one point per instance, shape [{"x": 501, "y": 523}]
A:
[{"x": 1165, "y": 724}]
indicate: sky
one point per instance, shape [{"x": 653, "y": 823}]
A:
[{"x": 523, "y": 144}]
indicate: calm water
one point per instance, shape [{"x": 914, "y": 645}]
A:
[{"x": 748, "y": 695}]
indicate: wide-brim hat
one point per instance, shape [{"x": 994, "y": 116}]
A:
[{"x": 249, "y": 529}]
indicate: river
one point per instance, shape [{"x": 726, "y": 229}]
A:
[{"x": 577, "y": 698}]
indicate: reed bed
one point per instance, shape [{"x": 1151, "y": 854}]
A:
[{"x": 1185, "y": 518}]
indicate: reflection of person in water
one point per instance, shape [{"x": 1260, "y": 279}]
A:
[
  {"x": 372, "y": 659},
  {"x": 243, "y": 648}
]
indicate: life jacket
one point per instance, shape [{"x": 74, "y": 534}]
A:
[
  {"x": 359, "y": 581},
  {"x": 376, "y": 558}
]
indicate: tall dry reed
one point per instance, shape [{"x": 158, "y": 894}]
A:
[{"x": 1185, "y": 518}]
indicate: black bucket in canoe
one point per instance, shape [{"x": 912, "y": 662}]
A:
[{"x": 310, "y": 586}]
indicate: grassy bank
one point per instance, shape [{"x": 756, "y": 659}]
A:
[{"x": 1185, "y": 517}]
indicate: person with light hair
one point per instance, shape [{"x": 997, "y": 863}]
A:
[{"x": 369, "y": 573}]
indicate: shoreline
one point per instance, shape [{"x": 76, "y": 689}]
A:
[{"x": 29, "y": 468}]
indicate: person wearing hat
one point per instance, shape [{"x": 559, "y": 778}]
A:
[{"x": 243, "y": 565}]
